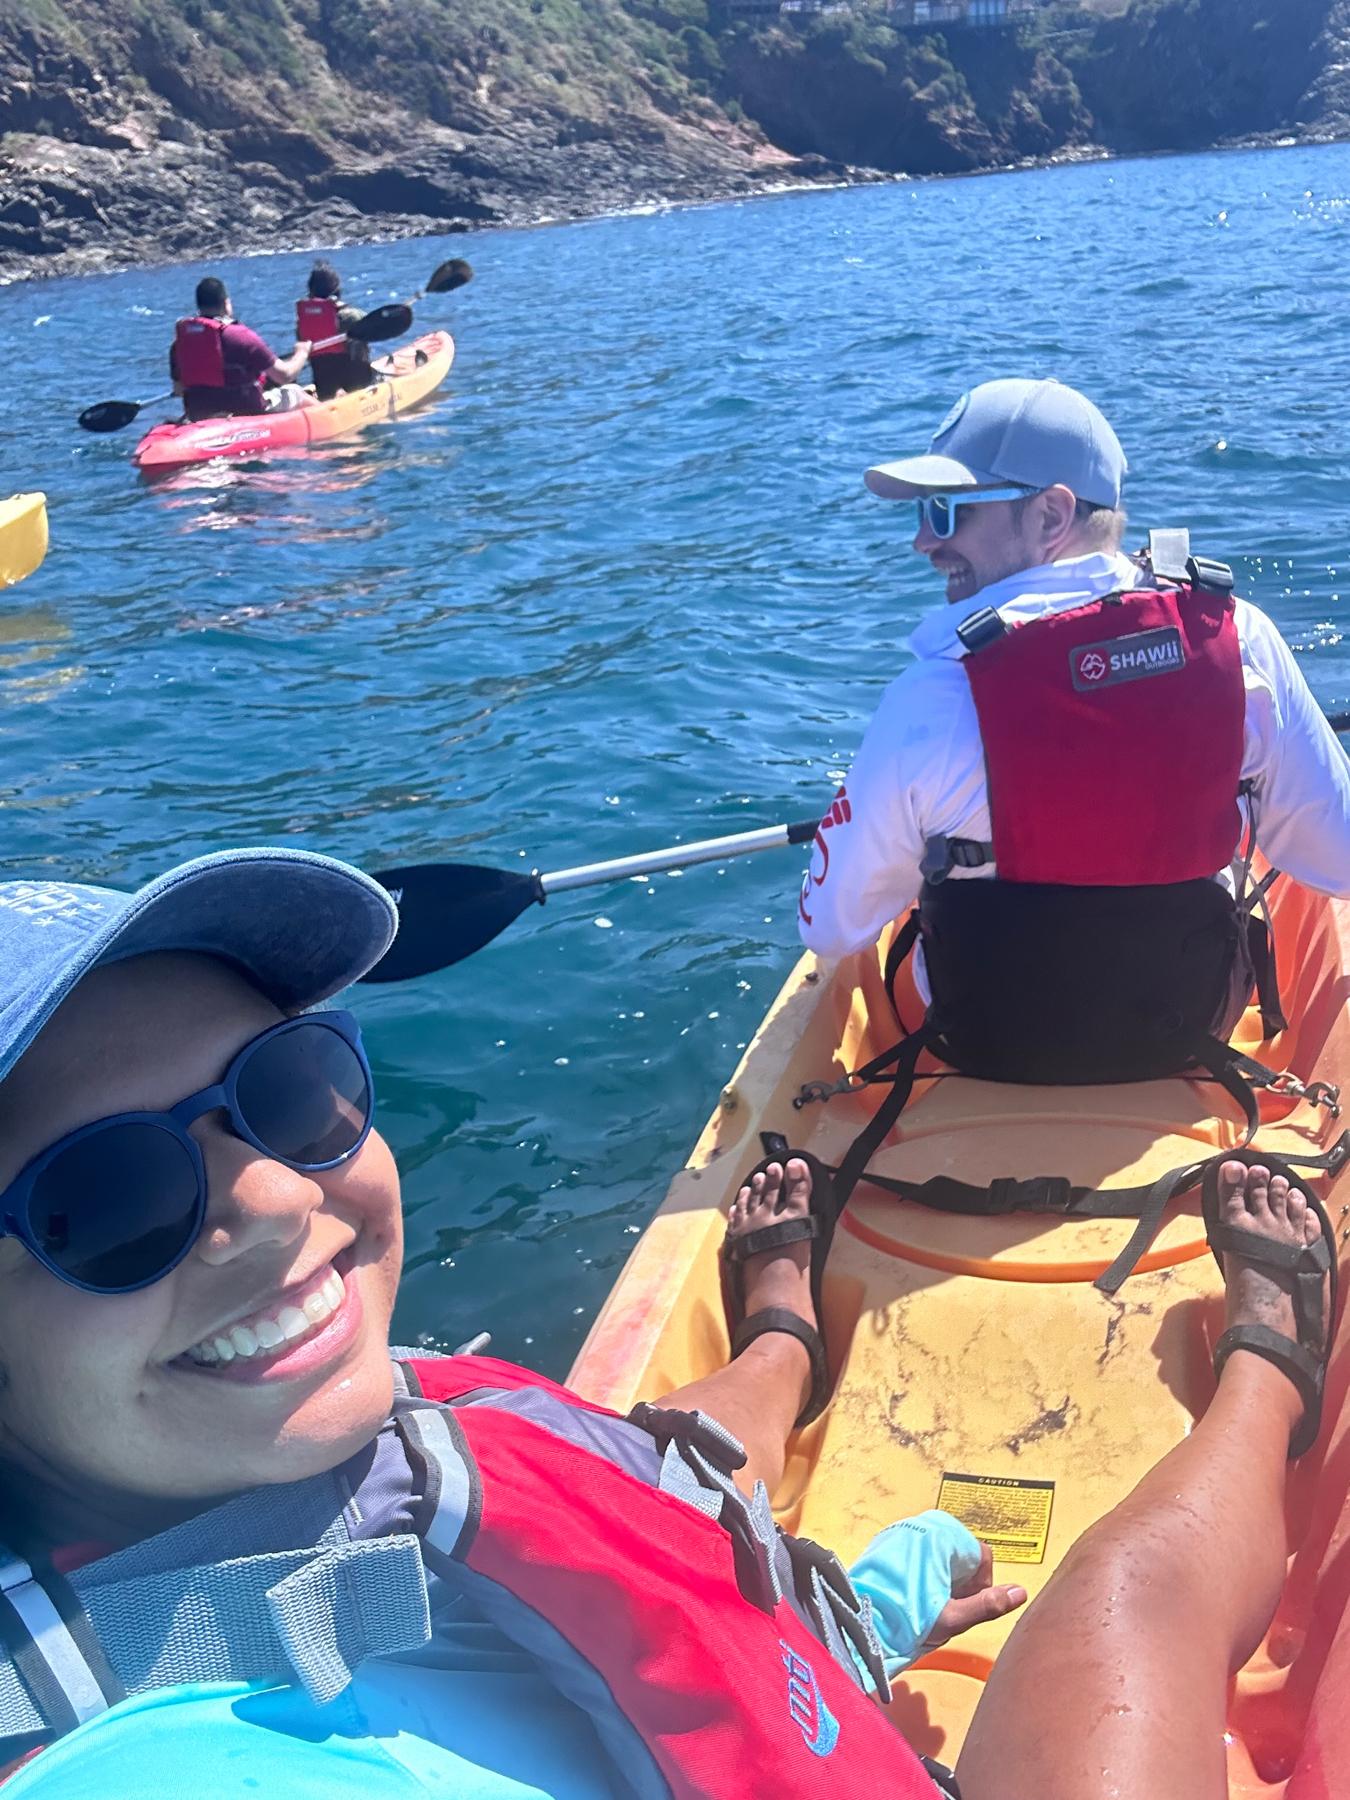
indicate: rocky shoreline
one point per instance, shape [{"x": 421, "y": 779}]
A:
[
  {"x": 142, "y": 141},
  {"x": 76, "y": 209}
]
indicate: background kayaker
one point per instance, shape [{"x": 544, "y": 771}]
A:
[
  {"x": 325, "y": 314},
  {"x": 201, "y": 1253},
  {"x": 222, "y": 368},
  {"x": 1020, "y": 515}
]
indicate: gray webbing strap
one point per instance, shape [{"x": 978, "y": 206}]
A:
[
  {"x": 452, "y": 1502},
  {"x": 46, "y": 1651}
]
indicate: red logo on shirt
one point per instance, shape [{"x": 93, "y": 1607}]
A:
[{"x": 840, "y": 813}]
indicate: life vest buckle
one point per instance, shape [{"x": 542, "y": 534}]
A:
[{"x": 1035, "y": 1194}]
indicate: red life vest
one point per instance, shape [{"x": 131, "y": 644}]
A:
[
  {"x": 199, "y": 352},
  {"x": 316, "y": 320},
  {"x": 730, "y": 1698},
  {"x": 1102, "y": 950},
  {"x": 706, "y": 1647},
  {"x": 1113, "y": 738}
]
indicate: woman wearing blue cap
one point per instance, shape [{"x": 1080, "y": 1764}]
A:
[
  {"x": 247, "y": 1551},
  {"x": 242, "y": 1541}
]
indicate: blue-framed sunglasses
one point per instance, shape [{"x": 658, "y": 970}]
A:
[
  {"x": 938, "y": 511},
  {"x": 116, "y": 1205}
]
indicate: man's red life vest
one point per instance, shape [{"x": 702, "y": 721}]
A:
[
  {"x": 1113, "y": 738},
  {"x": 1102, "y": 949},
  {"x": 199, "y": 352},
  {"x": 316, "y": 320}
]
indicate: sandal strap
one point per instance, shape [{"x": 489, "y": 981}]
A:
[
  {"x": 1302, "y": 1367},
  {"x": 1307, "y": 1263},
  {"x": 772, "y": 1237},
  {"x": 778, "y": 1318}
]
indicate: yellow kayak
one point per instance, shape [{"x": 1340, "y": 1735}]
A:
[
  {"x": 978, "y": 1368},
  {"x": 23, "y": 536}
]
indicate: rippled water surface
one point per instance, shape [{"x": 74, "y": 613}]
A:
[{"x": 621, "y": 584}]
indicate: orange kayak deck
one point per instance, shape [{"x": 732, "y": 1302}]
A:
[{"x": 977, "y": 1367}]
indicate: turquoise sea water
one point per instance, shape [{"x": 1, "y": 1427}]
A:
[{"x": 620, "y": 585}]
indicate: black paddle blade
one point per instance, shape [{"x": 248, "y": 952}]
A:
[
  {"x": 384, "y": 322},
  {"x": 451, "y": 275},
  {"x": 447, "y": 911},
  {"x": 109, "y": 415}
]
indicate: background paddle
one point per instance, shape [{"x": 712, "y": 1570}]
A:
[
  {"x": 455, "y": 273},
  {"x": 449, "y": 910},
  {"x": 378, "y": 325}
]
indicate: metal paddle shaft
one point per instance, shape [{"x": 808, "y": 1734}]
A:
[
  {"x": 449, "y": 910},
  {"x": 679, "y": 856}
]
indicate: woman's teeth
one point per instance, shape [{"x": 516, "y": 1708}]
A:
[{"x": 264, "y": 1334}]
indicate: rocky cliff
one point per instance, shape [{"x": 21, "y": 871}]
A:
[{"x": 190, "y": 127}]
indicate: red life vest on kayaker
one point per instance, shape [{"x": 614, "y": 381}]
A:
[
  {"x": 1113, "y": 740},
  {"x": 316, "y": 320},
  {"x": 707, "y": 1648},
  {"x": 199, "y": 352},
  {"x": 1103, "y": 949},
  {"x": 728, "y": 1692}
]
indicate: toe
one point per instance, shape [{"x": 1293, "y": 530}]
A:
[
  {"x": 773, "y": 1187},
  {"x": 1279, "y": 1197},
  {"x": 1258, "y": 1191},
  {"x": 1232, "y": 1189},
  {"x": 797, "y": 1192},
  {"x": 1312, "y": 1225}
]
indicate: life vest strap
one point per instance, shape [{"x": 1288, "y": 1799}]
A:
[
  {"x": 943, "y": 854},
  {"x": 50, "y": 1659}
]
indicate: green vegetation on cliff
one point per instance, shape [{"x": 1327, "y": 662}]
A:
[{"x": 168, "y": 125}]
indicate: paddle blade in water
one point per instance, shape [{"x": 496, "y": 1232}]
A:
[
  {"x": 384, "y": 322},
  {"x": 447, "y": 911},
  {"x": 109, "y": 415},
  {"x": 451, "y": 275}
]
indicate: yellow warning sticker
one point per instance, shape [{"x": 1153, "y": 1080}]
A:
[{"x": 1011, "y": 1515}]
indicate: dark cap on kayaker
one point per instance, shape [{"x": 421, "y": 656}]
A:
[
  {"x": 299, "y": 926},
  {"x": 1031, "y": 434}
]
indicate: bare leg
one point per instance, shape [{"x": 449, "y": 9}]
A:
[
  {"x": 1115, "y": 1681},
  {"x": 758, "y": 1396}
]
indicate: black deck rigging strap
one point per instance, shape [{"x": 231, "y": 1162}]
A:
[{"x": 1238, "y": 1075}]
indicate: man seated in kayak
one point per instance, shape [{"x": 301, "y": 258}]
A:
[
  {"x": 324, "y": 314},
  {"x": 1137, "y": 728},
  {"x": 221, "y": 368},
  {"x": 303, "y": 1583}
]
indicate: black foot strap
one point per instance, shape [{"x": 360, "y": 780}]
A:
[
  {"x": 771, "y": 1237},
  {"x": 778, "y": 1318}
]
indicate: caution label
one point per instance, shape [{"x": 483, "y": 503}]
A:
[{"x": 1012, "y": 1516}]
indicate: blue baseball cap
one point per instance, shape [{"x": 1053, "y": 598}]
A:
[
  {"x": 1013, "y": 433},
  {"x": 299, "y": 926}
]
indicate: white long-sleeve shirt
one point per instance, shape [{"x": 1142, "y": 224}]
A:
[{"x": 919, "y": 772}]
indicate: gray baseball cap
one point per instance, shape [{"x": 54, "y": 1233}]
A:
[
  {"x": 1013, "y": 433},
  {"x": 299, "y": 926}
]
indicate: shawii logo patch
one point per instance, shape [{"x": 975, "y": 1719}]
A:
[{"x": 1132, "y": 658}]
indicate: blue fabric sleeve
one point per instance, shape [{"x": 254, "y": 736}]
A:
[{"x": 907, "y": 1572}]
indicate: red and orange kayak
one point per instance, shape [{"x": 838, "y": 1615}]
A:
[{"x": 410, "y": 375}]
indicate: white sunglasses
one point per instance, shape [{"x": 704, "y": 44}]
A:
[{"x": 938, "y": 511}]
